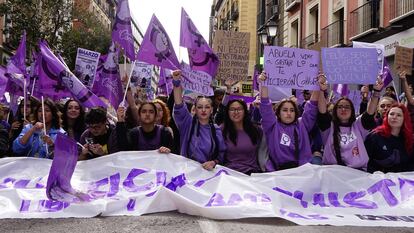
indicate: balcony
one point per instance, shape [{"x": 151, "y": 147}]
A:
[
  {"x": 400, "y": 9},
  {"x": 309, "y": 40},
  {"x": 364, "y": 20},
  {"x": 234, "y": 11},
  {"x": 333, "y": 34},
  {"x": 290, "y": 4}
]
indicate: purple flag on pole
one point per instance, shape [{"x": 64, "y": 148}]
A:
[
  {"x": 156, "y": 47},
  {"x": 341, "y": 89},
  {"x": 66, "y": 79},
  {"x": 201, "y": 56},
  {"x": 122, "y": 30},
  {"x": 108, "y": 83},
  {"x": 386, "y": 74},
  {"x": 3, "y": 80},
  {"x": 16, "y": 69},
  {"x": 64, "y": 162}
]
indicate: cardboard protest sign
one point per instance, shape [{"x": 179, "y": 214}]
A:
[
  {"x": 350, "y": 65},
  {"x": 291, "y": 67},
  {"x": 404, "y": 59},
  {"x": 232, "y": 49},
  {"x": 85, "y": 66},
  {"x": 196, "y": 81}
]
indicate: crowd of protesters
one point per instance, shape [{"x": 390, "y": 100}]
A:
[{"x": 248, "y": 137}]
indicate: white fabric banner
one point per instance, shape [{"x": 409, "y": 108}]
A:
[{"x": 136, "y": 183}]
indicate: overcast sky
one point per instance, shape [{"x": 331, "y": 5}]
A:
[{"x": 169, "y": 14}]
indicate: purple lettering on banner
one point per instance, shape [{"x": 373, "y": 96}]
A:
[
  {"x": 94, "y": 186},
  {"x": 334, "y": 200},
  {"x": 5, "y": 181},
  {"x": 39, "y": 185},
  {"x": 24, "y": 207},
  {"x": 51, "y": 206},
  {"x": 317, "y": 217},
  {"x": 177, "y": 182},
  {"x": 234, "y": 200},
  {"x": 265, "y": 198},
  {"x": 131, "y": 204},
  {"x": 295, "y": 215},
  {"x": 319, "y": 199},
  {"x": 216, "y": 200},
  {"x": 297, "y": 194},
  {"x": 351, "y": 199},
  {"x": 251, "y": 197},
  {"x": 114, "y": 184},
  {"x": 129, "y": 184},
  {"x": 201, "y": 182},
  {"x": 406, "y": 189},
  {"x": 161, "y": 180},
  {"x": 21, "y": 184},
  {"x": 382, "y": 186}
]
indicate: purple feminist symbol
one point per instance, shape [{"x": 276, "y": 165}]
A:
[{"x": 160, "y": 41}]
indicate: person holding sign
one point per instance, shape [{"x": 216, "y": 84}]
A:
[
  {"x": 200, "y": 139},
  {"x": 287, "y": 135},
  {"x": 390, "y": 145},
  {"x": 33, "y": 141},
  {"x": 147, "y": 136},
  {"x": 343, "y": 134}
]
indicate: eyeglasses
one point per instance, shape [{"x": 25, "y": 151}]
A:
[
  {"x": 236, "y": 110},
  {"x": 95, "y": 126},
  {"x": 344, "y": 107}
]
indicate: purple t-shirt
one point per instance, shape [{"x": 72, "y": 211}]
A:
[
  {"x": 201, "y": 146},
  {"x": 243, "y": 156},
  {"x": 280, "y": 137}
]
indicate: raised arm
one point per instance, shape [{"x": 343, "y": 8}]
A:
[
  {"x": 323, "y": 85},
  {"x": 373, "y": 102},
  {"x": 264, "y": 91},
  {"x": 178, "y": 90},
  {"x": 408, "y": 95}
]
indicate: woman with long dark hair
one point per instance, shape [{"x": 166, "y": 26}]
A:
[
  {"x": 242, "y": 138},
  {"x": 32, "y": 141},
  {"x": 73, "y": 119},
  {"x": 343, "y": 133},
  {"x": 390, "y": 145},
  {"x": 200, "y": 138}
]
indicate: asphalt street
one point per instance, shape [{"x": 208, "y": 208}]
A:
[{"x": 172, "y": 222}]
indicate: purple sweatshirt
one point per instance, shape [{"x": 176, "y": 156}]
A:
[
  {"x": 243, "y": 156},
  {"x": 201, "y": 147},
  {"x": 280, "y": 137},
  {"x": 353, "y": 150}
]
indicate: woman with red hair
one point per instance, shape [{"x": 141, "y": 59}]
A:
[{"x": 390, "y": 145}]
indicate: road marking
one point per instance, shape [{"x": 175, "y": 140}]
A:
[{"x": 208, "y": 226}]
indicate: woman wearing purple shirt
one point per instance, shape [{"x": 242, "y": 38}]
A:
[
  {"x": 242, "y": 138},
  {"x": 200, "y": 139},
  {"x": 287, "y": 135},
  {"x": 343, "y": 134}
]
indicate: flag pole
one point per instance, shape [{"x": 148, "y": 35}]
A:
[
  {"x": 395, "y": 89},
  {"x": 129, "y": 80},
  {"x": 24, "y": 100},
  {"x": 44, "y": 123}
]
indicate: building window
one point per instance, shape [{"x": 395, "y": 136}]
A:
[{"x": 294, "y": 34}]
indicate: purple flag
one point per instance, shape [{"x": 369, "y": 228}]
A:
[
  {"x": 16, "y": 69},
  {"x": 246, "y": 99},
  {"x": 66, "y": 79},
  {"x": 165, "y": 83},
  {"x": 341, "y": 89},
  {"x": 156, "y": 47},
  {"x": 3, "y": 80},
  {"x": 63, "y": 165},
  {"x": 201, "y": 56},
  {"x": 108, "y": 83},
  {"x": 122, "y": 31},
  {"x": 386, "y": 74}
]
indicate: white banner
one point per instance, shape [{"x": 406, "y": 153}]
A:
[
  {"x": 86, "y": 65},
  {"x": 136, "y": 183}
]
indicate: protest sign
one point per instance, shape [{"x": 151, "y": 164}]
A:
[
  {"x": 196, "y": 81},
  {"x": 291, "y": 67},
  {"x": 350, "y": 65},
  {"x": 85, "y": 66},
  {"x": 232, "y": 49},
  {"x": 138, "y": 182},
  {"x": 404, "y": 59},
  {"x": 380, "y": 48},
  {"x": 141, "y": 75}
]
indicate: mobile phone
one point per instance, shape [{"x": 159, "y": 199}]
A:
[{"x": 89, "y": 140}]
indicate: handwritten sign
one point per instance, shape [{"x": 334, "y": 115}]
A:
[
  {"x": 291, "y": 67},
  {"x": 350, "y": 65},
  {"x": 380, "y": 48},
  {"x": 232, "y": 48},
  {"x": 85, "y": 66},
  {"x": 196, "y": 81},
  {"x": 404, "y": 59}
]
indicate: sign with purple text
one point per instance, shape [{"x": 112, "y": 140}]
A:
[
  {"x": 86, "y": 65},
  {"x": 196, "y": 81},
  {"x": 291, "y": 67},
  {"x": 350, "y": 65},
  {"x": 138, "y": 182}
]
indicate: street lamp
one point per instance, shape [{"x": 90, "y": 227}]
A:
[
  {"x": 262, "y": 37},
  {"x": 271, "y": 28}
]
